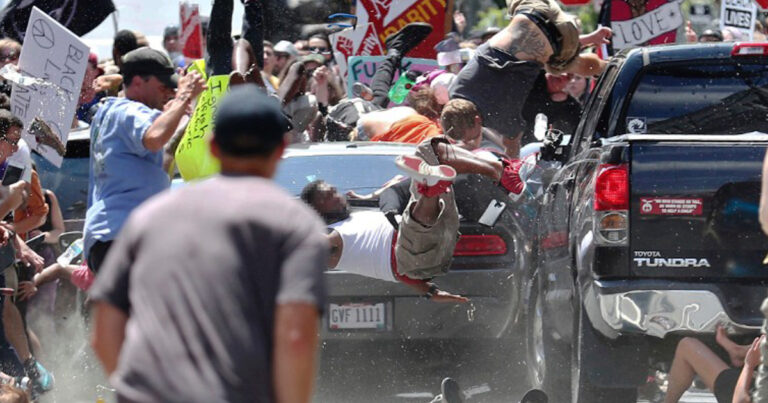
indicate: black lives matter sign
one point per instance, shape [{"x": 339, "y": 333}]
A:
[{"x": 738, "y": 14}]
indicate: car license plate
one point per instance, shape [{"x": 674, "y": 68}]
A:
[{"x": 357, "y": 316}]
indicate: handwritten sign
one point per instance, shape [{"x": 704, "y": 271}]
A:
[
  {"x": 658, "y": 25},
  {"x": 362, "y": 68},
  {"x": 739, "y": 15},
  {"x": 54, "y": 54},
  {"x": 193, "y": 156}
]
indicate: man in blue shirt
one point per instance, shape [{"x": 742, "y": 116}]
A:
[{"x": 127, "y": 139}]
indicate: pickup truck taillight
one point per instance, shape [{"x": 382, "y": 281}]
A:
[
  {"x": 480, "y": 245},
  {"x": 611, "y": 204}
]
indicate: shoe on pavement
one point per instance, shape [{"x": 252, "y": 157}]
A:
[
  {"x": 408, "y": 37},
  {"x": 451, "y": 391},
  {"x": 423, "y": 173},
  {"x": 535, "y": 396}
]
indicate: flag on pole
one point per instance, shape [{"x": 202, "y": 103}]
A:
[{"x": 79, "y": 16}]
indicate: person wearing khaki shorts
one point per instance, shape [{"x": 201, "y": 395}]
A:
[{"x": 425, "y": 246}]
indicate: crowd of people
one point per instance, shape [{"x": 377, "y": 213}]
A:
[{"x": 212, "y": 292}]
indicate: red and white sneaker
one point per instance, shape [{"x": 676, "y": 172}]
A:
[
  {"x": 424, "y": 173},
  {"x": 428, "y": 180}
]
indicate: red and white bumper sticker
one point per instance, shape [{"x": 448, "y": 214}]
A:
[{"x": 671, "y": 206}]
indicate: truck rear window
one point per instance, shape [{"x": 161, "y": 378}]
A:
[{"x": 700, "y": 99}]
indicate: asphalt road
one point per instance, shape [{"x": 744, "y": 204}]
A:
[{"x": 411, "y": 373}]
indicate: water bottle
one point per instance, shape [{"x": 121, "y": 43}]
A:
[
  {"x": 74, "y": 250},
  {"x": 540, "y": 127},
  {"x": 402, "y": 87}
]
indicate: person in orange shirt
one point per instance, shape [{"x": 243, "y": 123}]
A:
[
  {"x": 404, "y": 124},
  {"x": 33, "y": 213}
]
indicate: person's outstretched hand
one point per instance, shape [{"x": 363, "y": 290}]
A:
[
  {"x": 27, "y": 290},
  {"x": 754, "y": 358},
  {"x": 690, "y": 34},
  {"x": 600, "y": 36},
  {"x": 190, "y": 86},
  {"x": 445, "y": 296}
]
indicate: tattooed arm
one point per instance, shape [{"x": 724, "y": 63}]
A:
[{"x": 523, "y": 39}]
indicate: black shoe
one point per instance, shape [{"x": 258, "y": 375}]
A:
[
  {"x": 408, "y": 37},
  {"x": 535, "y": 396},
  {"x": 451, "y": 391}
]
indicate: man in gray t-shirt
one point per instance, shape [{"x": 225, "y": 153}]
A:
[{"x": 212, "y": 293}]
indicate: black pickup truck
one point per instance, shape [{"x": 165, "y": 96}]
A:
[{"x": 648, "y": 229}]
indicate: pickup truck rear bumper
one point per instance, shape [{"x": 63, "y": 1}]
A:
[{"x": 659, "y": 312}]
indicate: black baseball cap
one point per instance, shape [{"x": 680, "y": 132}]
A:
[
  {"x": 148, "y": 61},
  {"x": 249, "y": 122}
]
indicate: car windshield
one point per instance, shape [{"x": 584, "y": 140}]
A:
[
  {"x": 360, "y": 173},
  {"x": 700, "y": 99}
]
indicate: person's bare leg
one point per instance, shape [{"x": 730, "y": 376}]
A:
[
  {"x": 692, "y": 358},
  {"x": 464, "y": 162},
  {"x": 242, "y": 56},
  {"x": 14, "y": 330},
  {"x": 34, "y": 343},
  {"x": 426, "y": 210},
  {"x": 736, "y": 352}
]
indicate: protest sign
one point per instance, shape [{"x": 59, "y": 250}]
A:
[
  {"x": 193, "y": 156},
  {"x": 362, "y": 68},
  {"x": 54, "y": 54},
  {"x": 739, "y": 15},
  {"x": 81, "y": 17},
  {"x": 388, "y": 16},
  {"x": 191, "y": 35},
  {"x": 642, "y": 22},
  {"x": 700, "y": 14},
  {"x": 360, "y": 41},
  {"x": 377, "y": 19}
]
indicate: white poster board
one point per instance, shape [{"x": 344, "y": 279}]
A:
[
  {"x": 739, "y": 15},
  {"x": 53, "y": 53},
  {"x": 641, "y": 29}
]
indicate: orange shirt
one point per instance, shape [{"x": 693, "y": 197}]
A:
[
  {"x": 413, "y": 129},
  {"x": 36, "y": 205}
]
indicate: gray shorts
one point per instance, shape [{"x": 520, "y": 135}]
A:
[
  {"x": 423, "y": 252},
  {"x": 498, "y": 84}
]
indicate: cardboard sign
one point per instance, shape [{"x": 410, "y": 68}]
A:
[
  {"x": 362, "y": 68},
  {"x": 671, "y": 206},
  {"x": 360, "y": 41},
  {"x": 739, "y": 15},
  {"x": 637, "y": 24},
  {"x": 191, "y": 31},
  {"x": 52, "y": 53},
  {"x": 193, "y": 156},
  {"x": 377, "y": 19}
]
